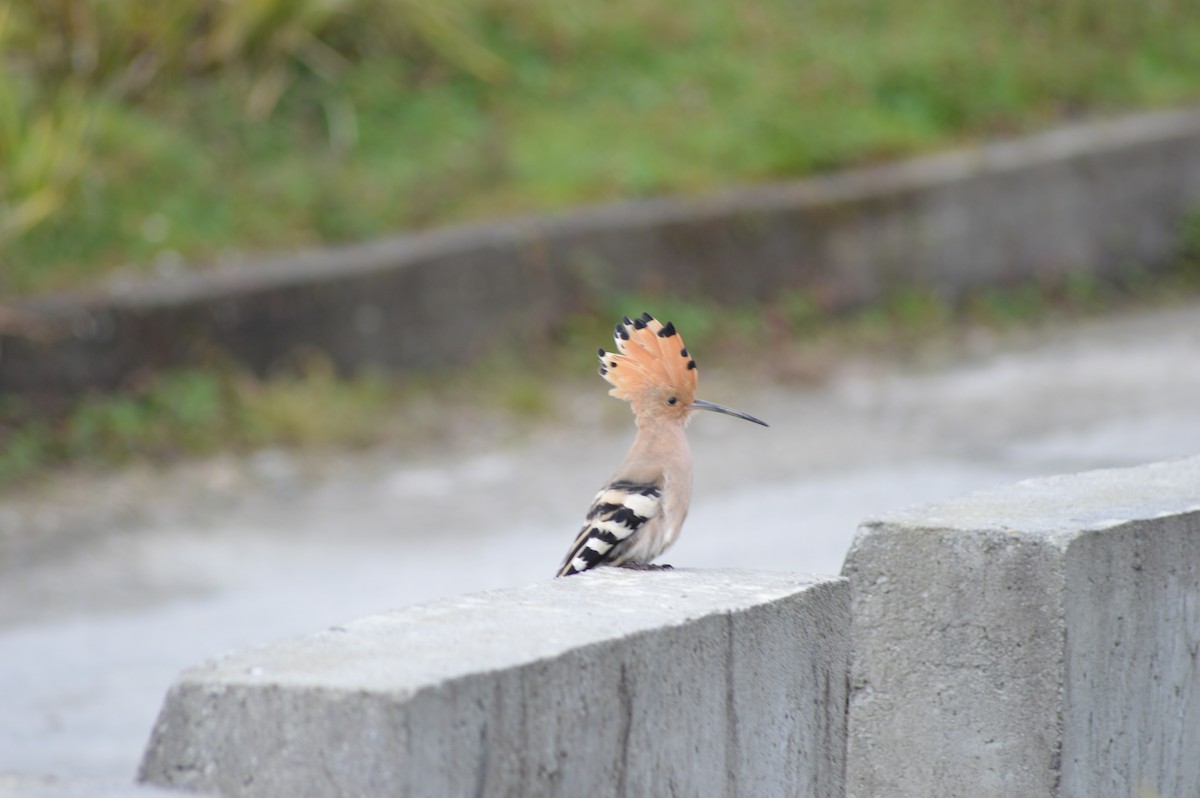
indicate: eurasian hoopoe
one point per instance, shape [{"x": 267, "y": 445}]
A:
[{"x": 638, "y": 514}]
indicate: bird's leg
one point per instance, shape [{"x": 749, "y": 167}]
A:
[{"x": 644, "y": 566}]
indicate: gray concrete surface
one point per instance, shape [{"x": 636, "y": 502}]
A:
[
  {"x": 112, "y": 584},
  {"x": 615, "y": 683},
  {"x": 1038, "y": 639},
  {"x": 54, "y": 787},
  {"x": 1098, "y": 199}
]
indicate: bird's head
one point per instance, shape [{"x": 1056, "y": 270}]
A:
[{"x": 653, "y": 371}]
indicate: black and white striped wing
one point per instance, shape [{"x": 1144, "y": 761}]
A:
[{"x": 619, "y": 512}]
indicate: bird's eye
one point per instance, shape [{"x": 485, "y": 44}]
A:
[{"x": 672, "y": 400}]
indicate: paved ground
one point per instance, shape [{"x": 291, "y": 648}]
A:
[{"x": 92, "y": 633}]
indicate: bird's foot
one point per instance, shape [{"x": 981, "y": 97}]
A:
[{"x": 644, "y": 566}]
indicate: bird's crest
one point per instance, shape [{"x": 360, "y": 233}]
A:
[{"x": 650, "y": 359}]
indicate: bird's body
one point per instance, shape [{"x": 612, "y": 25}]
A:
[{"x": 642, "y": 507}]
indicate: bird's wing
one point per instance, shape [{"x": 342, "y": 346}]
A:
[{"x": 620, "y": 511}]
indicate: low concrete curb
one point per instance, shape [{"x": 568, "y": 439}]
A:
[
  {"x": 1039, "y": 639},
  {"x": 1095, "y": 199},
  {"x": 611, "y": 683}
]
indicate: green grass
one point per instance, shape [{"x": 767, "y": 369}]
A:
[
  {"x": 184, "y": 414},
  {"x": 138, "y": 137},
  {"x": 144, "y": 136},
  {"x": 194, "y": 412}
]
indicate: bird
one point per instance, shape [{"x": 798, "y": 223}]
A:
[{"x": 638, "y": 513}]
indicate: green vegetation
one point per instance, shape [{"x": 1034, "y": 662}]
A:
[
  {"x": 185, "y": 413},
  {"x": 196, "y": 412},
  {"x": 137, "y": 136}
]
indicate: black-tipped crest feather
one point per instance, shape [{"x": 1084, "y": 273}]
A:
[{"x": 648, "y": 361}]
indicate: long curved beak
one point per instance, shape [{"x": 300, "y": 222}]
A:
[{"x": 716, "y": 408}]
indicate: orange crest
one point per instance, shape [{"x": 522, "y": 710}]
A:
[{"x": 650, "y": 360}]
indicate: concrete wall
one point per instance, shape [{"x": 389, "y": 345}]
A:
[
  {"x": 612, "y": 683},
  {"x": 1095, "y": 199},
  {"x": 1041, "y": 639}
]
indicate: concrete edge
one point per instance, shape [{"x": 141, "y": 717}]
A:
[
  {"x": 854, "y": 185},
  {"x": 841, "y": 236},
  {"x": 1029, "y": 639},
  {"x": 1041, "y": 513},
  {"x": 532, "y": 697}
]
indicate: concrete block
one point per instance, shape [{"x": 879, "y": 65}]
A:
[
  {"x": 611, "y": 683},
  {"x": 1039, "y": 639}
]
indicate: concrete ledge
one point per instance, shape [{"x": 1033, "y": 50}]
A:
[
  {"x": 612, "y": 683},
  {"x": 1094, "y": 199},
  {"x": 1040, "y": 639}
]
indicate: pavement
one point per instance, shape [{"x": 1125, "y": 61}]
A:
[{"x": 93, "y": 633}]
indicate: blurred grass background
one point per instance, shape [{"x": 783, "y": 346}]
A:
[
  {"x": 186, "y": 413},
  {"x": 138, "y": 136}
]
